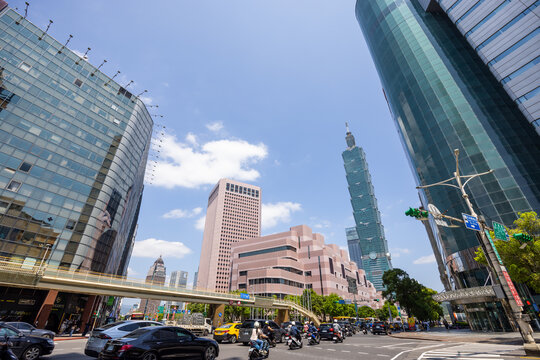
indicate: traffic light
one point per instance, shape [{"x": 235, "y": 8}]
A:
[
  {"x": 523, "y": 237},
  {"x": 417, "y": 213},
  {"x": 377, "y": 300}
]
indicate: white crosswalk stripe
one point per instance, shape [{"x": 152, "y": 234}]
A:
[{"x": 457, "y": 354}]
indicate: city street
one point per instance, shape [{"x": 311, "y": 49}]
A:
[{"x": 355, "y": 347}]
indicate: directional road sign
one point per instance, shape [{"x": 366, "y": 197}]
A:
[
  {"x": 500, "y": 231},
  {"x": 244, "y": 296},
  {"x": 471, "y": 222}
]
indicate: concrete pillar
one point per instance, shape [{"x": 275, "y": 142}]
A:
[
  {"x": 215, "y": 310},
  {"x": 282, "y": 316},
  {"x": 88, "y": 310},
  {"x": 45, "y": 310}
]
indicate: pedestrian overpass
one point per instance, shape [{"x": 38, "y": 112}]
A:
[{"x": 44, "y": 277}]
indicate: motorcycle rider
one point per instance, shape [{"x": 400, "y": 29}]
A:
[
  {"x": 268, "y": 331},
  {"x": 293, "y": 331},
  {"x": 257, "y": 336},
  {"x": 5, "y": 352},
  {"x": 337, "y": 328},
  {"x": 313, "y": 330}
]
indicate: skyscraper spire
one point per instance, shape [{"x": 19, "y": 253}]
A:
[{"x": 350, "y": 137}]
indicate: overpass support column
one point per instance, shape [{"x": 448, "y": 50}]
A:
[
  {"x": 282, "y": 316},
  {"x": 214, "y": 312},
  {"x": 87, "y": 313},
  {"x": 45, "y": 310}
]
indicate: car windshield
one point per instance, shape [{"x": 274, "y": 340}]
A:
[
  {"x": 325, "y": 326},
  {"x": 108, "y": 326},
  {"x": 138, "y": 333},
  {"x": 226, "y": 326},
  {"x": 248, "y": 324}
]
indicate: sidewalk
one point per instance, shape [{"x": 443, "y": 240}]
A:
[
  {"x": 465, "y": 335},
  {"x": 67, "y": 337}
]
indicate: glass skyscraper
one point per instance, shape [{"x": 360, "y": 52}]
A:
[
  {"x": 444, "y": 97},
  {"x": 73, "y": 151},
  {"x": 368, "y": 247}
]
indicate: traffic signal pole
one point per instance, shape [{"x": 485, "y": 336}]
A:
[{"x": 530, "y": 346}]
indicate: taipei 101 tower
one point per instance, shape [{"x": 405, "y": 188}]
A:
[{"x": 367, "y": 244}]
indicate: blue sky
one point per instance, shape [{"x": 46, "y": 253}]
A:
[{"x": 258, "y": 91}]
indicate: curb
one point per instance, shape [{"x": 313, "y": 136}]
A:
[
  {"x": 70, "y": 338},
  {"x": 415, "y": 338}
]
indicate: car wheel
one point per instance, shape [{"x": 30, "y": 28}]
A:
[
  {"x": 150, "y": 356},
  {"x": 234, "y": 339},
  {"x": 210, "y": 353},
  {"x": 31, "y": 353},
  {"x": 205, "y": 333}
]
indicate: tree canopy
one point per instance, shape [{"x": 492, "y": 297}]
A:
[{"x": 522, "y": 260}]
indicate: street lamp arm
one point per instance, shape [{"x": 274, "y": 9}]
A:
[
  {"x": 475, "y": 175},
  {"x": 444, "y": 182}
]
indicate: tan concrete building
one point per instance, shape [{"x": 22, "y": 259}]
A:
[
  {"x": 289, "y": 262},
  {"x": 156, "y": 275},
  {"x": 233, "y": 215}
]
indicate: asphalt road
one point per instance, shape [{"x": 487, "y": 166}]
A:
[{"x": 359, "y": 346}]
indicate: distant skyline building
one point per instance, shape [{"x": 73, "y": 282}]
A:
[
  {"x": 72, "y": 162},
  {"x": 233, "y": 214},
  {"x": 178, "y": 280},
  {"x": 156, "y": 275},
  {"x": 366, "y": 241},
  {"x": 289, "y": 262},
  {"x": 445, "y": 94}
]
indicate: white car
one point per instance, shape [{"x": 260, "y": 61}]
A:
[{"x": 100, "y": 336}]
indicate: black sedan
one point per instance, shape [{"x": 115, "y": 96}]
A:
[
  {"x": 30, "y": 330},
  {"x": 160, "y": 342},
  {"x": 379, "y": 328},
  {"x": 25, "y": 347}
]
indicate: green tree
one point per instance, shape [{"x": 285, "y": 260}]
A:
[
  {"x": 196, "y": 308},
  {"x": 401, "y": 288},
  {"x": 522, "y": 263},
  {"x": 234, "y": 312},
  {"x": 331, "y": 306},
  {"x": 366, "y": 311},
  {"x": 427, "y": 308}
]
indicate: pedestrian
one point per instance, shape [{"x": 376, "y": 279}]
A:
[
  {"x": 63, "y": 326},
  {"x": 446, "y": 324},
  {"x": 72, "y": 329}
]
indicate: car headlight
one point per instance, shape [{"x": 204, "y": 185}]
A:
[{"x": 50, "y": 342}]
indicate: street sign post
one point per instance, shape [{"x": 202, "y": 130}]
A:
[
  {"x": 512, "y": 288},
  {"x": 494, "y": 248},
  {"x": 500, "y": 231},
  {"x": 471, "y": 222}
]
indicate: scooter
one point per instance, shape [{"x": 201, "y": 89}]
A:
[
  {"x": 314, "y": 339},
  {"x": 294, "y": 343},
  {"x": 256, "y": 354},
  {"x": 364, "y": 330},
  {"x": 338, "y": 337},
  {"x": 5, "y": 351}
]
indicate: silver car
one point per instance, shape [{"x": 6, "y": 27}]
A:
[
  {"x": 28, "y": 329},
  {"x": 100, "y": 336}
]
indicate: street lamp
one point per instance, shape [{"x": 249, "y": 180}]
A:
[{"x": 493, "y": 262}]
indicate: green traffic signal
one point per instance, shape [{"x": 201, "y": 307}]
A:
[
  {"x": 417, "y": 213},
  {"x": 523, "y": 237}
]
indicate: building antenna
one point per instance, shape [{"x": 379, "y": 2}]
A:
[
  {"x": 84, "y": 57},
  {"x": 99, "y": 67},
  {"x": 115, "y": 75},
  {"x": 67, "y": 42},
  {"x": 26, "y": 9},
  {"x": 47, "y": 29}
]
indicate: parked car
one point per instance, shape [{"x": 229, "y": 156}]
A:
[
  {"x": 227, "y": 332},
  {"x": 99, "y": 336},
  {"x": 379, "y": 327},
  {"x": 26, "y": 347},
  {"x": 28, "y": 329},
  {"x": 160, "y": 342},
  {"x": 247, "y": 328}
]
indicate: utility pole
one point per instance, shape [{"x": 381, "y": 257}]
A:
[{"x": 494, "y": 264}]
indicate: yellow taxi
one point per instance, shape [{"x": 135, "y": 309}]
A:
[{"x": 227, "y": 332}]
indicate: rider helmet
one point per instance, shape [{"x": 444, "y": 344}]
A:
[{"x": 257, "y": 325}]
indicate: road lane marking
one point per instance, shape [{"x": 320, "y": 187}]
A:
[
  {"x": 399, "y": 344},
  {"x": 345, "y": 351},
  {"x": 420, "y": 348},
  {"x": 383, "y": 355},
  {"x": 362, "y": 353},
  {"x": 331, "y": 349}
]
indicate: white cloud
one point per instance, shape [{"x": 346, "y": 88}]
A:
[
  {"x": 215, "y": 126},
  {"x": 151, "y": 248},
  {"x": 397, "y": 252},
  {"x": 166, "y": 84},
  {"x": 199, "y": 224},
  {"x": 322, "y": 224},
  {"x": 192, "y": 138},
  {"x": 186, "y": 166},
  {"x": 280, "y": 212},
  {"x": 147, "y": 100},
  {"x": 179, "y": 213},
  {"x": 428, "y": 259}
]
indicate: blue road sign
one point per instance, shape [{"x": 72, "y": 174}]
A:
[
  {"x": 471, "y": 222},
  {"x": 244, "y": 296},
  {"x": 342, "y": 302},
  {"x": 220, "y": 314}
]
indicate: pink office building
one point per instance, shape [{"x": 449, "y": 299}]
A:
[
  {"x": 289, "y": 262},
  {"x": 233, "y": 215}
]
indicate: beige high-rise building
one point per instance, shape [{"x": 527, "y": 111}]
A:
[
  {"x": 233, "y": 215},
  {"x": 156, "y": 275}
]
